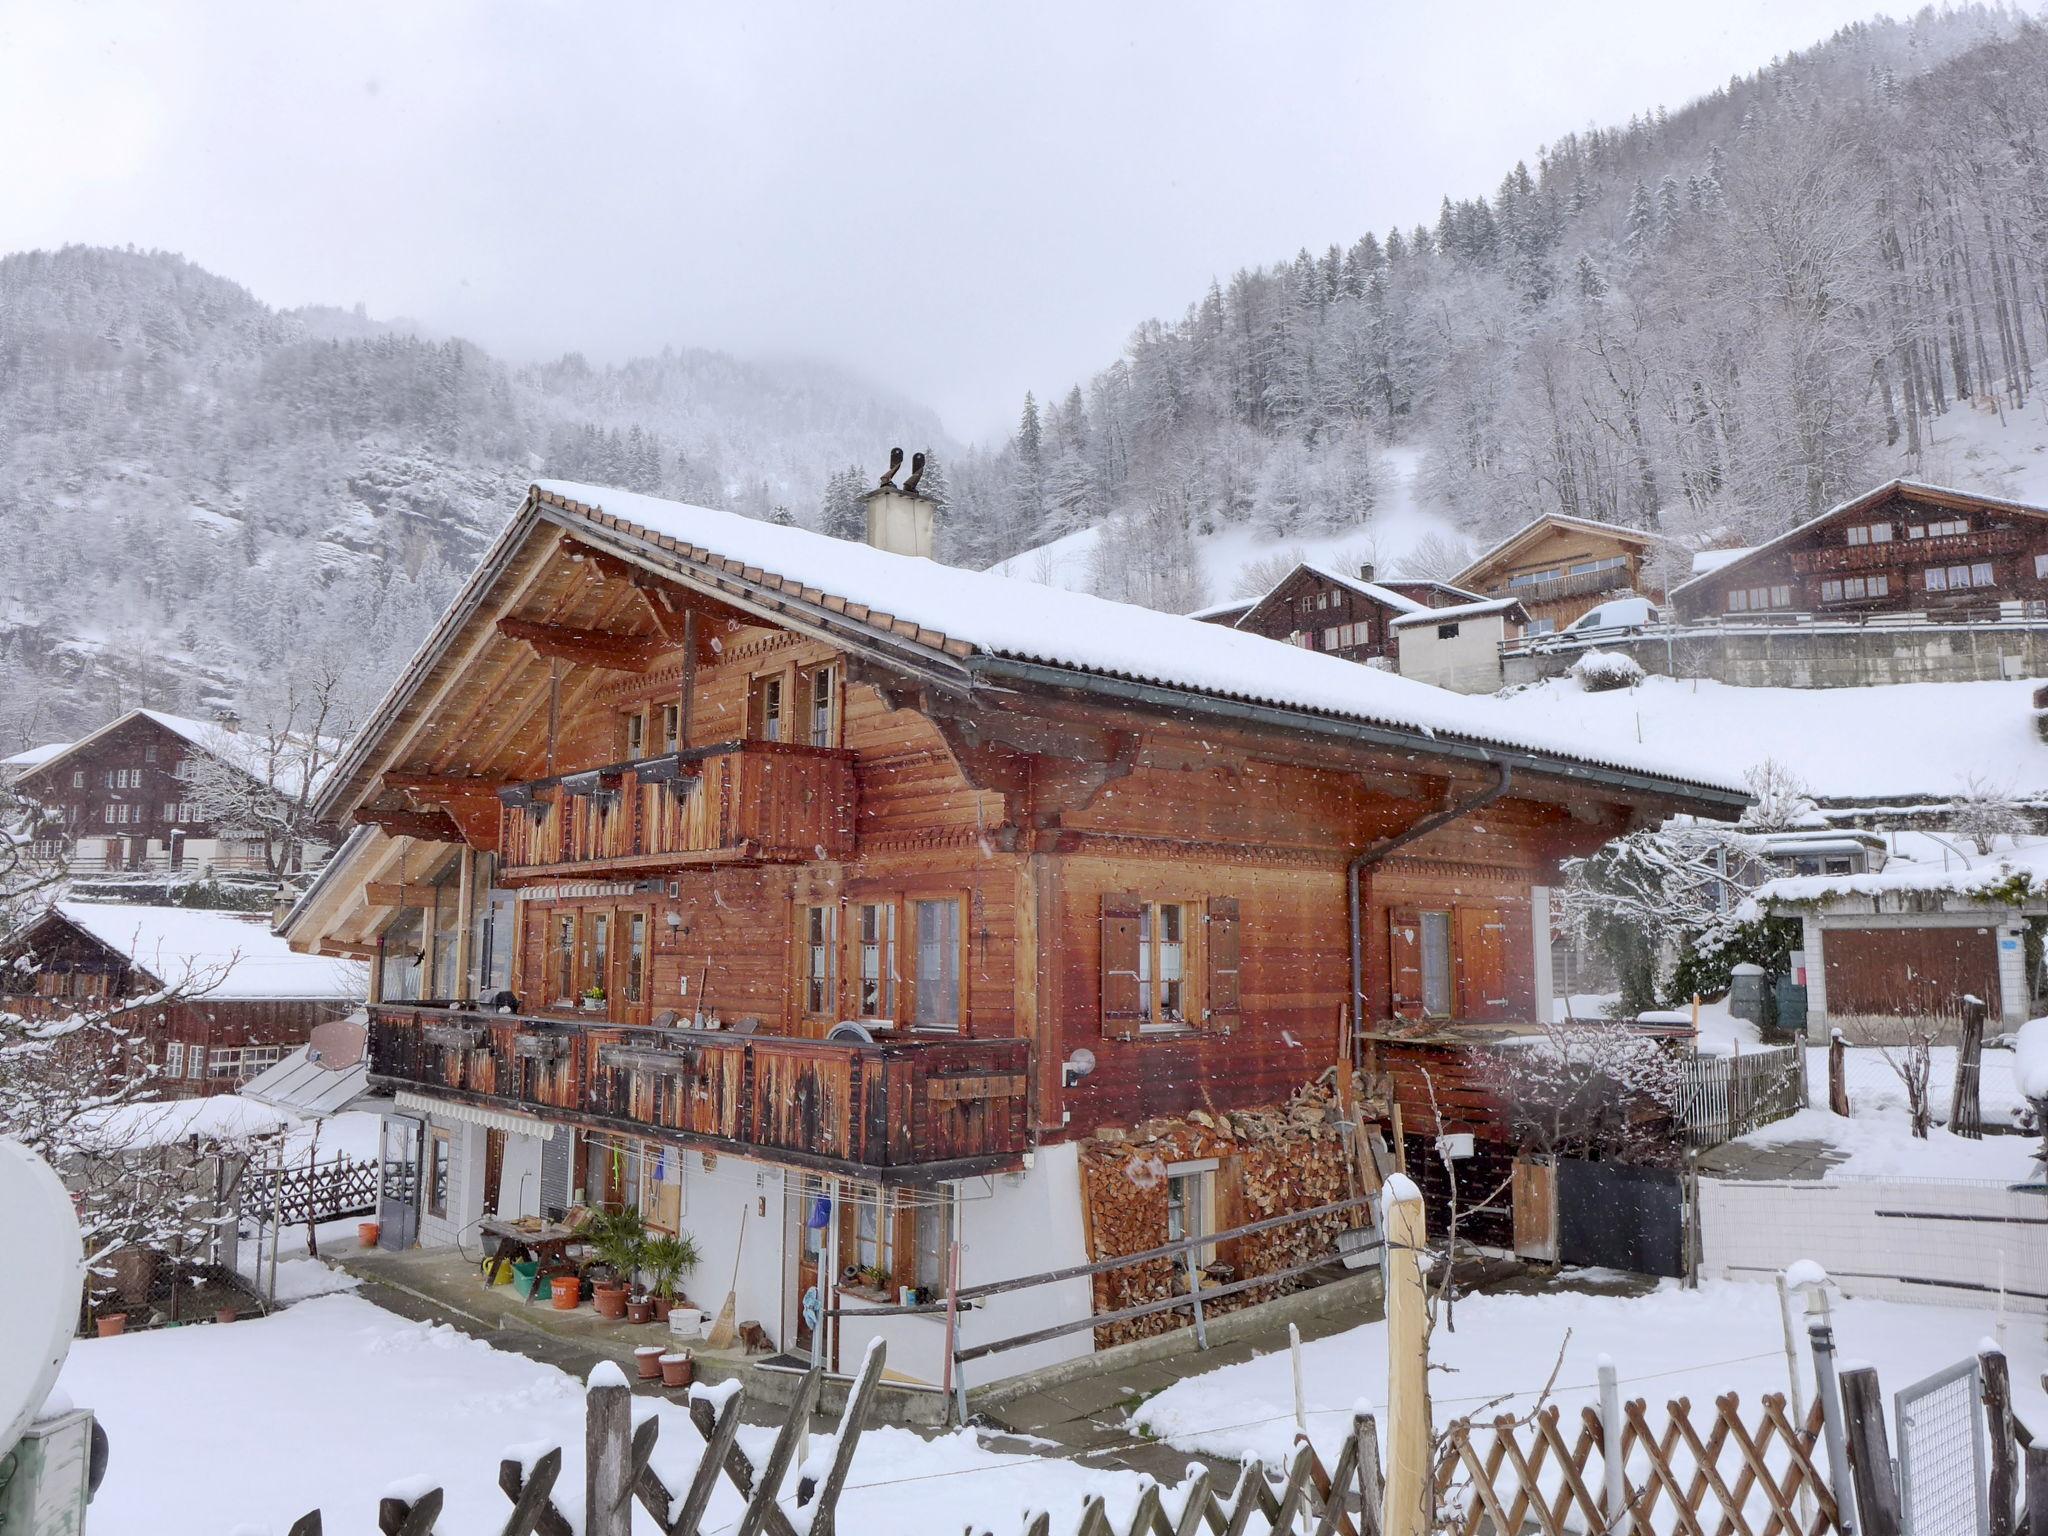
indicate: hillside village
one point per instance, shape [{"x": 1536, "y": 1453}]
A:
[{"x": 1240, "y": 959}]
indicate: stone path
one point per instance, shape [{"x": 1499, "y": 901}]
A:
[{"x": 1772, "y": 1162}]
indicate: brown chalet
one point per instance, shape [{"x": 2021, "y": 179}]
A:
[
  {"x": 1560, "y": 567},
  {"x": 1903, "y": 547},
  {"x": 838, "y": 907},
  {"x": 1322, "y": 609}
]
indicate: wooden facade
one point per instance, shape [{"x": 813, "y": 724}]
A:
[
  {"x": 1561, "y": 567},
  {"x": 1321, "y": 609},
  {"x": 724, "y": 814},
  {"x": 1902, "y": 548}
]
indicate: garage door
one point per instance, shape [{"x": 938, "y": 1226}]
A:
[{"x": 1910, "y": 972}]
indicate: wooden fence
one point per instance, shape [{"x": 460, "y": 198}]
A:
[
  {"x": 1730, "y": 1096},
  {"x": 313, "y": 1192}
]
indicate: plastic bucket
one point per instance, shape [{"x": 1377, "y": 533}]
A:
[
  {"x": 567, "y": 1291},
  {"x": 686, "y": 1322}
]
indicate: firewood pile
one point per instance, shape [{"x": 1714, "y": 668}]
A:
[{"x": 1269, "y": 1160}]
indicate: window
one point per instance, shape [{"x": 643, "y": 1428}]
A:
[
  {"x": 1530, "y": 578},
  {"x": 565, "y": 955},
  {"x": 1190, "y": 1207},
  {"x": 440, "y": 1161},
  {"x": 1436, "y": 963},
  {"x": 1840, "y": 865},
  {"x": 242, "y": 1062},
  {"x": 764, "y": 708},
  {"x": 195, "y": 1061},
  {"x": 1870, "y": 533},
  {"x": 2041, "y": 567},
  {"x": 1162, "y": 964},
  {"x": 1322, "y": 600},
  {"x": 107, "y": 811},
  {"x": 149, "y": 752},
  {"x": 170, "y": 810},
  {"x": 1880, "y": 585},
  {"x": 875, "y": 945},
  {"x": 1447, "y": 631},
  {"x": 174, "y": 1059},
  {"x": 636, "y": 957},
  {"x": 937, "y": 998},
  {"x": 821, "y": 724},
  {"x": 600, "y": 950},
  {"x": 1945, "y": 529},
  {"x": 1781, "y": 597},
  {"x": 1540, "y": 627},
  {"x": 78, "y": 774},
  {"x": 671, "y": 727},
  {"x": 819, "y": 924},
  {"x": 636, "y": 734},
  {"x": 1982, "y": 574},
  {"x": 931, "y": 1228}
]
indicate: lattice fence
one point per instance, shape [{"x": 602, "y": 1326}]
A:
[
  {"x": 1738, "y": 1475},
  {"x": 341, "y": 1186}
]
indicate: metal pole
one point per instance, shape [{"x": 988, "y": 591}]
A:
[
  {"x": 1820, "y": 1333},
  {"x": 1195, "y": 1293},
  {"x": 1610, "y": 1443},
  {"x": 956, "y": 1383}
]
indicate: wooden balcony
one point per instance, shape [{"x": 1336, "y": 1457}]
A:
[
  {"x": 908, "y": 1110},
  {"x": 1619, "y": 579},
  {"x": 737, "y": 802},
  {"x": 1953, "y": 548}
]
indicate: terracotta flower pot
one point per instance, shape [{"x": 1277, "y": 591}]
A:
[
  {"x": 678, "y": 1370},
  {"x": 647, "y": 1362},
  {"x": 640, "y": 1309},
  {"x": 567, "y": 1291},
  {"x": 111, "y": 1324},
  {"x": 367, "y": 1233},
  {"x": 610, "y": 1301},
  {"x": 662, "y": 1307},
  {"x": 226, "y": 1315}
]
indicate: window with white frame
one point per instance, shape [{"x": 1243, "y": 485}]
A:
[
  {"x": 1946, "y": 528},
  {"x": 1191, "y": 1206},
  {"x": 195, "y": 1061},
  {"x": 174, "y": 1059},
  {"x": 1870, "y": 533}
]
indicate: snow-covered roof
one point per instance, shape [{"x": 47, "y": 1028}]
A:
[
  {"x": 1867, "y": 500},
  {"x": 249, "y": 751},
  {"x": 303, "y": 1086},
  {"x": 1217, "y": 610},
  {"x": 1537, "y": 525},
  {"x": 1459, "y": 611},
  {"x": 147, "y": 1123},
  {"x": 1962, "y": 872},
  {"x": 1708, "y": 560},
  {"x": 224, "y": 956},
  {"x": 1386, "y": 597},
  {"x": 35, "y": 757}
]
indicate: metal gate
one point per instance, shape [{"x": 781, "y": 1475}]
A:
[
  {"x": 1621, "y": 1217},
  {"x": 398, "y": 1198},
  {"x": 1942, "y": 1481}
]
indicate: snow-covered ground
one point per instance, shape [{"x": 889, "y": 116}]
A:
[
  {"x": 1860, "y": 743},
  {"x": 330, "y": 1402},
  {"x": 1397, "y": 525},
  {"x": 1725, "y": 1336}
]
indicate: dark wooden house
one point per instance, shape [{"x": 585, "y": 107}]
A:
[
  {"x": 782, "y": 885},
  {"x": 213, "y": 998},
  {"x": 1320, "y": 608},
  {"x": 1902, "y": 548}
]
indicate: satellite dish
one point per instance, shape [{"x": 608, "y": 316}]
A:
[
  {"x": 46, "y": 1282},
  {"x": 337, "y": 1045},
  {"x": 847, "y": 1029}
]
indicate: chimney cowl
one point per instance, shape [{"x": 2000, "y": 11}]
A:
[{"x": 899, "y": 517}]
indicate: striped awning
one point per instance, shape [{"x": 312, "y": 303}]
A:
[{"x": 471, "y": 1114}]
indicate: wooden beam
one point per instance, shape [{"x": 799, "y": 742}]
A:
[
  {"x": 587, "y": 647},
  {"x": 422, "y": 826}
]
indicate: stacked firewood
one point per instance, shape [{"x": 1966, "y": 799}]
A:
[{"x": 1270, "y": 1159}]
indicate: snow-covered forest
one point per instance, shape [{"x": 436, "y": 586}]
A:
[
  {"x": 1719, "y": 320},
  {"x": 202, "y": 497}
]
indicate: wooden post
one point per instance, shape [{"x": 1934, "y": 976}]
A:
[
  {"x": 1613, "y": 1452},
  {"x": 1820, "y": 1333},
  {"x": 2004, "y": 1457},
  {"x": 1195, "y": 1299},
  {"x": 1870, "y": 1457},
  {"x": 955, "y": 1387},
  {"x": 1365, "y": 1431},
  {"x": 465, "y": 919},
  {"x": 1408, "y": 1490},
  {"x": 687, "y": 692},
  {"x": 608, "y": 1453},
  {"x": 1294, "y": 1363},
  {"x": 1965, "y": 1116},
  {"x": 2037, "y": 1490},
  {"x": 1838, "y": 1075}
]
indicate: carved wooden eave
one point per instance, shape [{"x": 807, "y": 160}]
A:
[
  {"x": 423, "y": 826},
  {"x": 587, "y": 647},
  {"x": 472, "y": 802}
]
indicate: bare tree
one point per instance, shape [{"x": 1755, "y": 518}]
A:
[
  {"x": 1589, "y": 1085},
  {"x": 263, "y": 783},
  {"x": 1783, "y": 799},
  {"x": 1985, "y": 812},
  {"x": 1438, "y": 557}
]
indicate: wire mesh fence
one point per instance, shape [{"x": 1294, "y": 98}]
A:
[{"x": 1942, "y": 1453}]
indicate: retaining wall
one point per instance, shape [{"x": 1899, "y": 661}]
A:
[{"x": 1813, "y": 656}]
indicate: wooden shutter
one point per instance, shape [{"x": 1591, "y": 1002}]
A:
[
  {"x": 1481, "y": 963},
  {"x": 1223, "y": 943},
  {"x": 1404, "y": 956},
  {"x": 1121, "y": 1016}
]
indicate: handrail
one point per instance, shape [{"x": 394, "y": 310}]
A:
[{"x": 562, "y": 1023}]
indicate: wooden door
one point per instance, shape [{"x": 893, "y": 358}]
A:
[
  {"x": 1912, "y": 973},
  {"x": 1534, "y": 1195},
  {"x": 1482, "y": 963},
  {"x": 494, "y": 1169}
]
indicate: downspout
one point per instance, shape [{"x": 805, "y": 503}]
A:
[{"x": 1375, "y": 852}]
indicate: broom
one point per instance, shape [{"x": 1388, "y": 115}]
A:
[{"x": 725, "y": 1330}]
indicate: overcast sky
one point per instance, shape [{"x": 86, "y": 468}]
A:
[{"x": 961, "y": 200}]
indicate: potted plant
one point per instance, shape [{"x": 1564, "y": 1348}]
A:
[
  {"x": 667, "y": 1260},
  {"x": 619, "y": 1238},
  {"x": 593, "y": 999},
  {"x": 678, "y": 1369}
]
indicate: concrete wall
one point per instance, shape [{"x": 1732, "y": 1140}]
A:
[
  {"x": 1467, "y": 662},
  {"x": 519, "y": 1180},
  {"x": 465, "y": 1185},
  {"x": 1918, "y": 1240},
  {"x": 1817, "y": 656}
]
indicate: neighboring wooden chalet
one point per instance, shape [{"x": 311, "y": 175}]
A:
[
  {"x": 1904, "y": 547},
  {"x": 1559, "y": 567},
  {"x": 757, "y": 878},
  {"x": 215, "y": 997},
  {"x": 1322, "y": 609},
  {"x": 123, "y": 798}
]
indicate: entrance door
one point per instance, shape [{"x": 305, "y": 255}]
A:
[
  {"x": 494, "y": 1169},
  {"x": 398, "y": 1192}
]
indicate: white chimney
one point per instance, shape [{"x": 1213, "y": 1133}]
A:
[{"x": 900, "y": 517}]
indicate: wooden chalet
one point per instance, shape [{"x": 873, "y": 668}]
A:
[
  {"x": 1904, "y": 547},
  {"x": 213, "y": 998},
  {"x": 1560, "y": 567},
  {"x": 1320, "y": 608},
  {"x": 836, "y": 906},
  {"x": 122, "y": 798}
]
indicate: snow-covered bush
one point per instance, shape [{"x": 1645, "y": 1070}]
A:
[
  {"x": 1605, "y": 671},
  {"x": 1589, "y": 1085},
  {"x": 1985, "y": 812}
]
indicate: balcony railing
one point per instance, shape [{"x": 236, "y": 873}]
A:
[
  {"x": 1957, "y": 547},
  {"x": 936, "y": 1107},
  {"x": 1585, "y": 584},
  {"x": 738, "y": 801}
]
